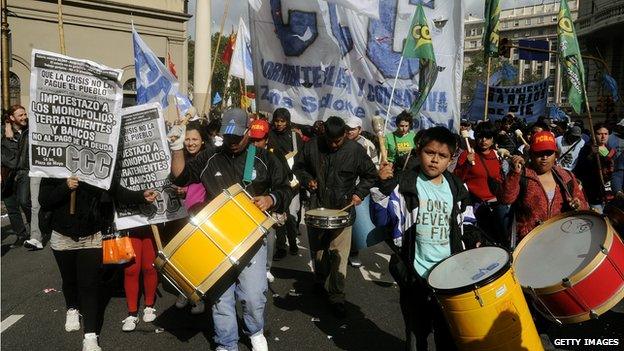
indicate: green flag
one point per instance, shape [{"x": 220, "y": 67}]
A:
[
  {"x": 419, "y": 45},
  {"x": 491, "y": 28},
  {"x": 570, "y": 56}
]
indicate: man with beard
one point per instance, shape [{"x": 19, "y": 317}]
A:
[
  {"x": 284, "y": 141},
  {"x": 328, "y": 167},
  {"x": 218, "y": 169}
]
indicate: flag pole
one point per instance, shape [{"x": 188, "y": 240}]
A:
[
  {"x": 487, "y": 89},
  {"x": 396, "y": 77},
  {"x": 214, "y": 60},
  {"x": 61, "y": 32}
]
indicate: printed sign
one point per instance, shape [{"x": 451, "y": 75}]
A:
[
  {"x": 75, "y": 107},
  {"x": 144, "y": 163}
]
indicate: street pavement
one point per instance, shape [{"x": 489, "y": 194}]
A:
[{"x": 33, "y": 310}]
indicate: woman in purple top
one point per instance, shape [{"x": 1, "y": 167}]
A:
[{"x": 194, "y": 195}]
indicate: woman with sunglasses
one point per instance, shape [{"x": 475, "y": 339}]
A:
[
  {"x": 539, "y": 190},
  {"x": 481, "y": 171}
]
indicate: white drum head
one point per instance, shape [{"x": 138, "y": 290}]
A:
[
  {"x": 468, "y": 268},
  {"x": 559, "y": 249},
  {"x": 325, "y": 212}
]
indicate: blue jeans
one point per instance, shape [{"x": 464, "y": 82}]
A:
[
  {"x": 617, "y": 181},
  {"x": 250, "y": 289}
]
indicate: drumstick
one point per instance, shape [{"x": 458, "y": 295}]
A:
[
  {"x": 346, "y": 207},
  {"x": 504, "y": 153},
  {"x": 464, "y": 134},
  {"x": 156, "y": 233},
  {"x": 518, "y": 133},
  {"x": 378, "y": 128}
]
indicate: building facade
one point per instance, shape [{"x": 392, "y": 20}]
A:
[
  {"x": 528, "y": 22},
  {"x": 600, "y": 29},
  {"x": 98, "y": 30}
]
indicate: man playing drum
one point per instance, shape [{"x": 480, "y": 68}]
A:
[
  {"x": 218, "y": 169},
  {"x": 424, "y": 207},
  {"x": 328, "y": 167}
]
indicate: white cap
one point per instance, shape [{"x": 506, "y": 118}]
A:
[
  {"x": 621, "y": 123},
  {"x": 353, "y": 122}
]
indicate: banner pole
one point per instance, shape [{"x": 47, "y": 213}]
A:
[
  {"x": 487, "y": 89},
  {"x": 60, "y": 27},
  {"x": 214, "y": 60},
  {"x": 396, "y": 77}
]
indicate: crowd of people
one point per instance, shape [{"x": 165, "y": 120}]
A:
[{"x": 436, "y": 192}]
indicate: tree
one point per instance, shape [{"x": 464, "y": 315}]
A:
[{"x": 219, "y": 75}]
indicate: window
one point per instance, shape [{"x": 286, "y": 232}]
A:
[
  {"x": 473, "y": 44},
  {"x": 479, "y": 31},
  {"x": 540, "y": 20},
  {"x": 528, "y": 21},
  {"x": 473, "y": 32},
  {"x": 505, "y": 24},
  {"x": 15, "y": 89},
  {"x": 516, "y": 23},
  {"x": 129, "y": 93},
  {"x": 515, "y": 35},
  {"x": 554, "y": 18}
]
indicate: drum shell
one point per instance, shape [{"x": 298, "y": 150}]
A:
[
  {"x": 193, "y": 261},
  {"x": 590, "y": 292},
  {"x": 327, "y": 222},
  {"x": 502, "y": 323}
]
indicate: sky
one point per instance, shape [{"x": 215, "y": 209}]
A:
[{"x": 239, "y": 7}]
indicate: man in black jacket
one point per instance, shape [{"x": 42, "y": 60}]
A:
[
  {"x": 328, "y": 166},
  {"x": 283, "y": 140},
  {"x": 219, "y": 169},
  {"x": 15, "y": 157}
]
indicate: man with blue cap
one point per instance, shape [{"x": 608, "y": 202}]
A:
[{"x": 218, "y": 169}]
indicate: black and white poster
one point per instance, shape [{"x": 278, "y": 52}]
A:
[
  {"x": 75, "y": 110},
  {"x": 144, "y": 162}
]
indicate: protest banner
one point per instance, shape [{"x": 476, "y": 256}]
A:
[
  {"x": 75, "y": 109},
  {"x": 318, "y": 59},
  {"x": 527, "y": 101},
  {"x": 144, "y": 163}
]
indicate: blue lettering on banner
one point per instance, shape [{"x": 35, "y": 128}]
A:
[
  {"x": 341, "y": 33},
  {"x": 300, "y": 32}
]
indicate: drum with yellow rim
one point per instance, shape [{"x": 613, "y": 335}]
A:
[
  {"x": 202, "y": 259},
  {"x": 482, "y": 301}
]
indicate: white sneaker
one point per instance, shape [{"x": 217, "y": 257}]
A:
[
  {"x": 199, "y": 308},
  {"x": 90, "y": 343},
  {"x": 130, "y": 323},
  {"x": 270, "y": 277},
  {"x": 33, "y": 244},
  {"x": 181, "y": 302},
  {"x": 72, "y": 320},
  {"x": 149, "y": 314},
  {"x": 259, "y": 343}
]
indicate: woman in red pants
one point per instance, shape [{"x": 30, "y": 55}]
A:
[{"x": 145, "y": 251}]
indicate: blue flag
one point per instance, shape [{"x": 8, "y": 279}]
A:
[
  {"x": 154, "y": 81},
  {"x": 217, "y": 98},
  {"x": 611, "y": 85}
]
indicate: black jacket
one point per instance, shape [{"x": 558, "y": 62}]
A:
[
  {"x": 283, "y": 141},
  {"x": 218, "y": 170},
  {"x": 94, "y": 206},
  {"x": 335, "y": 172},
  {"x": 15, "y": 151}
]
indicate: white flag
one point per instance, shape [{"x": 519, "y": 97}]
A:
[
  {"x": 255, "y": 4},
  {"x": 368, "y": 8},
  {"x": 241, "y": 65}
]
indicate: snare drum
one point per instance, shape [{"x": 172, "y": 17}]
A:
[
  {"x": 325, "y": 218},
  {"x": 201, "y": 260},
  {"x": 482, "y": 301},
  {"x": 573, "y": 266}
]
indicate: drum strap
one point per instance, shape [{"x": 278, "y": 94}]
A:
[{"x": 249, "y": 163}]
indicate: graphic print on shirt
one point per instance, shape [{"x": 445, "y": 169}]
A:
[{"x": 433, "y": 218}]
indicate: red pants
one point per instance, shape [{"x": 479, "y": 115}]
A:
[{"x": 145, "y": 251}]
